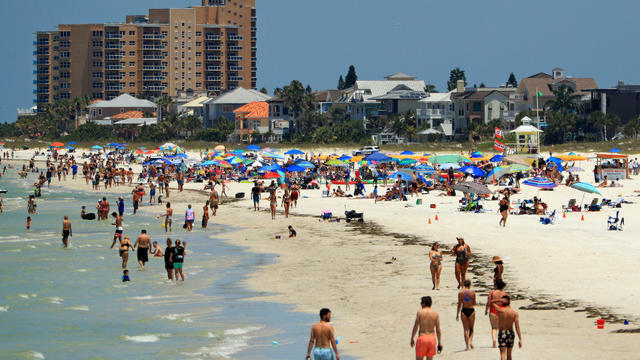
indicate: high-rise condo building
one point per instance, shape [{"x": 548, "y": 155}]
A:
[{"x": 210, "y": 48}]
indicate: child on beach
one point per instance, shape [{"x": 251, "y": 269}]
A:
[
  {"x": 28, "y": 222},
  {"x": 125, "y": 276},
  {"x": 292, "y": 232}
]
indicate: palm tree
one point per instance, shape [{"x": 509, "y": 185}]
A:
[
  {"x": 80, "y": 103},
  {"x": 565, "y": 100},
  {"x": 164, "y": 103},
  {"x": 429, "y": 88},
  {"x": 192, "y": 123},
  {"x": 632, "y": 128},
  {"x": 297, "y": 99},
  {"x": 602, "y": 121}
]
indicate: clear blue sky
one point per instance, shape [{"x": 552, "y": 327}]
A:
[{"x": 316, "y": 41}]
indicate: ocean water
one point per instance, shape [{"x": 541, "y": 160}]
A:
[{"x": 60, "y": 303}]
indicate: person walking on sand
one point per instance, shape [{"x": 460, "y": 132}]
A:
[
  {"x": 322, "y": 339},
  {"x": 255, "y": 195},
  {"x": 507, "y": 318},
  {"x": 462, "y": 252},
  {"x": 178, "y": 259},
  {"x": 66, "y": 231},
  {"x": 427, "y": 321},
  {"x": 168, "y": 255},
  {"x": 286, "y": 202},
  {"x": 435, "y": 256},
  {"x": 498, "y": 270},
  {"x": 504, "y": 211},
  {"x": 497, "y": 293},
  {"x": 466, "y": 301},
  {"x": 168, "y": 222},
  {"x": 143, "y": 242},
  {"x": 189, "y": 217},
  {"x": 273, "y": 202},
  {"x": 123, "y": 250},
  {"x": 205, "y": 215}
]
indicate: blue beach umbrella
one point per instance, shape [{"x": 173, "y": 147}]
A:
[
  {"x": 295, "y": 168},
  {"x": 253, "y": 148},
  {"x": 378, "y": 157},
  {"x": 345, "y": 158},
  {"x": 97, "y": 147},
  {"x": 614, "y": 150},
  {"x": 402, "y": 175},
  {"x": 448, "y": 166},
  {"x": 294, "y": 152},
  {"x": 472, "y": 170},
  {"x": 69, "y": 147},
  {"x": 407, "y": 152},
  {"x": 540, "y": 183},
  {"x": 71, "y": 143},
  {"x": 497, "y": 158},
  {"x": 304, "y": 164}
]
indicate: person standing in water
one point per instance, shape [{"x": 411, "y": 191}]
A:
[
  {"x": 435, "y": 256},
  {"x": 143, "y": 243},
  {"x": 462, "y": 252},
  {"x": 507, "y": 318},
  {"x": 118, "y": 223},
  {"x": 205, "y": 215},
  {"x": 66, "y": 231},
  {"x": 168, "y": 255},
  {"x": 123, "y": 250},
  {"x": 427, "y": 321},
  {"x": 189, "y": 217},
  {"x": 178, "y": 259},
  {"x": 322, "y": 339},
  {"x": 168, "y": 222},
  {"x": 466, "y": 301}
]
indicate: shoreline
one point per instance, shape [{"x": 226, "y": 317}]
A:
[{"x": 571, "y": 328}]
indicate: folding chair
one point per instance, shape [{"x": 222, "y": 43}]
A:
[{"x": 615, "y": 223}]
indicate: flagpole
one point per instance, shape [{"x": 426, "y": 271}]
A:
[{"x": 537, "y": 108}]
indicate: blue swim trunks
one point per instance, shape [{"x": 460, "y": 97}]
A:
[{"x": 323, "y": 354}]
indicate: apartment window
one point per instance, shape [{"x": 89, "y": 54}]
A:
[
  {"x": 132, "y": 32},
  {"x": 122, "y": 32},
  {"x": 132, "y": 73},
  {"x": 97, "y": 44},
  {"x": 132, "y": 63},
  {"x": 198, "y": 64},
  {"x": 198, "y": 74},
  {"x": 65, "y": 86},
  {"x": 65, "y": 96},
  {"x": 96, "y": 54},
  {"x": 64, "y": 65},
  {"x": 183, "y": 65},
  {"x": 198, "y": 84},
  {"x": 96, "y": 33},
  {"x": 183, "y": 44},
  {"x": 183, "y": 24},
  {"x": 183, "y": 54},
  {"x": 198, "y": 43},
  {"x": 227, "y": 108},
  {"x": 65, "y": 34},
  {"x": 477, "y": 106},
  {"x": 198, "y": 33},
  {"x": 97, "y": 85},
  {"x": 132, "y": 53},
  {"x": 97, "y": 64},
  {"x": 97, "y": 74},
  {"x": 97, "y": 96},
  {"x": 198, "y": 53},
  {"x": 132, "y": 43},
  {"x": 64, "y": 54},
  {"x": 132, "y": 84},
  {"x": 182, "y": 76}
]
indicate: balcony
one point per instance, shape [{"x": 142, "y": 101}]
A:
[
  {"x": 113, "y": 67},
  {"x": 254, "y": 29},
  {"x": 212, "y": 37},
  {"x": 433, "y": 113},
  {"x": 153, "y": 68},
  {"x": 113, "y": 88},
  {"x": 213, "y": 68},
  {"x": 213, "y": 58},
  {"x": 153, "y": 57},
  {"x": 113, "y": 46},
  {"x": 153, "y": 47},
  {"x": 234, "y": 48},
  {"x": 233, "y": 37},
  {"x": 234, "y": 58},
  {"x": 235, "y": 68},
  {"x": 213, "y": 48},
  {"x": 113, "y": 57},
  {"x": 214, "y": 78},
  {"x": 153, "y": 36},
  {"x": 235, "y": 78},
  {"x": 213, "y": 88},
  {"x": 112, "y": 36},
  {"x": 153, "y": 78},
  {"x": 113, "y": 78},
  {"x": 154, "y": 88}
]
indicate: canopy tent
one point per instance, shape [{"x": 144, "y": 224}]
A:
[
  {"x": 472, "y": 170},
  {"x": 377, "y": 156},
  {"x": 613, "y": 166}
]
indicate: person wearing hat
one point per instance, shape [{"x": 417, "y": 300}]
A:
[{"x": 498, "y": 270}]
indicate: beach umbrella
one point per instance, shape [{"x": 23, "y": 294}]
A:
[
  {"x": 407, "y": 162},
  {"x": 71, "y": 143},
  {"x": 69, "y": 147},
  {"x": 515, "y": 159},
  {"x": 614, "y": 150},
  {"x": 97, "y": 147},
  {"x": 237, "y": 152},
  {"x": 586, "y": 189},
  {"x": 180, "y": 156},
  {"x": 423, "y": 167},
  {"x": 235, "y": 160},
  {"x": 574, "y": 169},
  {"x": 496, "y": 173},
  {"x": 448, "y": 166},
  {"x": 253, "y": 148},
  {"x": 403, "y": 176},
  {"x": 472, "y": 170},
  {"x": 377, "y": 156},
  {"x": 540, "y": 183},
  {"x": 57, "y": 144},
  {"x": 335, "y": 162},
  {"x": 304, "y": 164},
  {"x": 556, "y": 161},
  {"x": 407, "y": 152},
  {"x": 476, "y": 155},
  {"x": 516, "y": 168},
  {"x": 208, "y": 163},
  {"x": 471, "y": 187},
  {"x": 345, "y": 158},
  {"x": 295, "y": 168},
  {"x": 442, "y": 159},
  {"x": 497, "y": 158},
  {"x": 271, "y": 175},
  {"x": 294, "y": 152},
  {"x": 272, "y": 155}
]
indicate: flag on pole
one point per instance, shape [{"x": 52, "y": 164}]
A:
[
  {"x": 539, "y": 93},
  {"x": 498, "y": 145},
  {"x": 498, "y": 133}
]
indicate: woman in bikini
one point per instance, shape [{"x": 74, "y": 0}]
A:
[
  {"x": 435, "y": 255},
  {"x": 295, "y": 193},
  {"x": 462, "y": 252},
  {"x": 466, "y": 301},
  {"x": 125, "y": 245},
  {"x": 496, "y": 294},
  {"x": 273, "y": 202},
  {"x": 286, "y": 202},
  {"x": 504, "y": 210},
  {"x": 498, "y": 270}
]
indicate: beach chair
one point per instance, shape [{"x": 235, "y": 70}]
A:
[
  {"x": 570, "y": 206},
  {"x": 594, "y": 206},
  {"x": 615, "y": 223},
  {"x": 551, "y": 219}
]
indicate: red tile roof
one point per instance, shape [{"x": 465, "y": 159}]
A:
[
  {"x": 254, "y": 110},
  {"x": 129, "y": 115}
]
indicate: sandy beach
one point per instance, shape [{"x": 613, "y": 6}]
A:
[{"x": 561, "y": 276}]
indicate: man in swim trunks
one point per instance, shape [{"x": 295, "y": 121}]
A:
[
  {"x": 66, "y": 231},
  {"x": 168, "y": 255},
  {"x": 507, "y": 317},
  {"x": 143, "y": 242},
  {"x": 426, "y": 320},
  {"x": 119, "y": 229},
  {"x": 322, "y": 336},
  {"x": 255, "y": 195},
  {"x": 168, "y": 221}
]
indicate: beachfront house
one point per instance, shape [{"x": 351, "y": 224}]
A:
[
  {"x": 481, "y": 105},
  {"x": 622, "y": 100},
  {"x": 400, "y": 100},
  {"x": 324, "y": 99},
  {"x": 226, "y": 104},
  {"x": 359, "y": 100},
  {"x": 252, "y": 123},
  {"x": 101, "y": 110},
  {"x": 543, "y": 84},
  {"x": 436, "y": 113}
]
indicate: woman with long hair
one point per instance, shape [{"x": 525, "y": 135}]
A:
[
  {"x": 435, "y": 256},
  {"x": 462, "y": 252}
]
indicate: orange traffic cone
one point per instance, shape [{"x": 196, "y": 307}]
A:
[
  {"x": 564, "y": 215},
  {"x": 436, "y": 217},
  {"x": 582, "y": 219},
  {"x": 429, "y": 221}
]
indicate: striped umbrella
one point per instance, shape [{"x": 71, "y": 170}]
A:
[{"x": 540, "y": 183}]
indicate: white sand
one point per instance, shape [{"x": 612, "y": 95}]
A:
[{"x": 373, "y": 303}]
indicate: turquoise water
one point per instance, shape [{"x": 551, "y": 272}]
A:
[{"x": 60, "y": 303}]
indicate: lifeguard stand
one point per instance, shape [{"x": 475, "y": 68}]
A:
[{"x": 527, "y": 138}]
